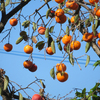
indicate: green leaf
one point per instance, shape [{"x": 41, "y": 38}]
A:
[
  {"x": 20, "y": 96},
  {"x": 96, "y": 22},
  {"x": 67, "y": 30},
  {"x": 66, "y": 10},
  {"x": 87, "y": 23},
  {"x": 42, "y": 84},
  {"x": 40, "y": 45},
  {"x": 6, "y": 81},
  {"x": 26, "y": 23},
  {"x": 0, "y": 90},
  {"x": 53, "y": 46},
  {"x": 71, "y": 60},
  {"x": 87, "y": 47},
  {"x": 49, "y": 40},
  {"x": 76, "y": 18},
  {"x": 96, "y": 63},
  {"x": 90, "y": 18},
  {"x": 89, "y": 98},
  {"x": 94, "y": 30},
  {"x": 51, "y": 29},
  {"x": 52, "y": 73},
  {"x": 83, "y": 92},
  {"x": 59, "y": 46},
  {"x": 47, "y": 13},
  {"x": 47, "y": 32},
  {"x": 87, "y": 60},
  {"x": 34, "y": 26},
  {"x": 78, "y": 94},
  {"x": 19, "y": 39}
]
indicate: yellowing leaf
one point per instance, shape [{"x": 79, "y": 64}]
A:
[
  {"x": 6, "y": 81},
  {"x": 87, "y": 60},
  {"x": 34, "y": 39},
  {"x": 20, "y": 96}
]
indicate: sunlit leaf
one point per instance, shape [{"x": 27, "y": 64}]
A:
[
  {"x": 47, "y": 13},
  {"x": 52, "y": 73},
  {"x": 19, "y": 39},
  {"x": 34, "y": 26},
  {"x": 20, "y": 96},
  {"x": 87, "y": 60},
  {"x": 96, "y": 63},
  {"x": 26, "y": 23},
  {"x": 71, "y": 58},
  {"x": 59, "y": 46},
  {"x": 94, "y": 29},
  {"x": 67, "y": 30},
  {"x": 53, "y": 46},
  {"x": 7, "y": 2},
  {"x": 51, "y": 29},
  {"x": 42, "y": 84},
  {"x": 96, "y": 22},
  {"x": 6, "y": 81},
  {"x": 87, "y": 47},
  {"x": 47, "y": 32},
  {"x": 90, "y": 18}
]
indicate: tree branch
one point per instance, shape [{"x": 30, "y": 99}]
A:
[{"x": 5, "y": 17}]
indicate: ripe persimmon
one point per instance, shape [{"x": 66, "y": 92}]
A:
[
  {"x": 61, "y": 19},
  {"x": 66, "y": 39},
  {"x": 33, "y": 68},
  {"x": 59, "y": 1},
  {"x": 49, "y": 51},
  {"x": 72, "y": 5},
  {"x": 72, "y": 19},
  {"x": 28, "y": 49},
  {"x": 98, "y": 13},
  {"x": 41, "y": 30},
  {"x": 99, "y": 35},
  {"x": 59, "y": 12},
  {"x": 27, "y": 64},
  {"x": 36, "y": 97},
  {"x": 75, "y": 45},
  {"x": 8, "y": 47},
  {"x": 61, "y": 67},
  {"x": 62, "y": 78},
  {"x": 93, "y": 1},
  {"x": 13, "y": 22},
  {"x": 98, "y": 42},
  {"x": 87, "y": 37}
]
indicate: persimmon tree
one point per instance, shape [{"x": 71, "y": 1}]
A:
[{"x": 79, "y": 20}]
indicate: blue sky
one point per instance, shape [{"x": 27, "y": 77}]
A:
[{"x": 12, "y": 62}]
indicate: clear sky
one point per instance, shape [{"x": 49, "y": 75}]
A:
[{"x": 12, "y": 62}]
